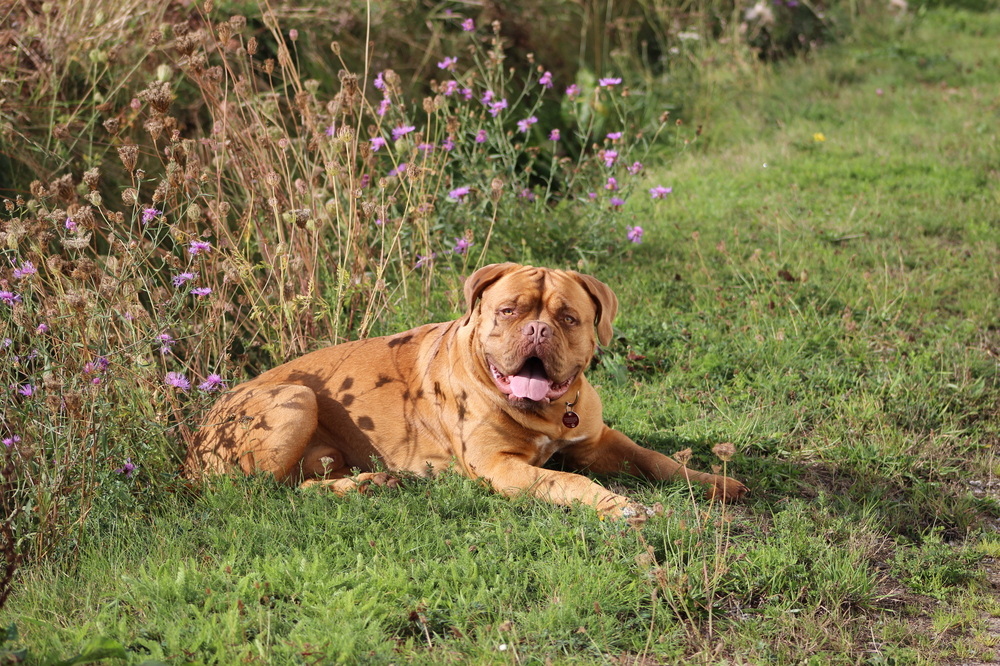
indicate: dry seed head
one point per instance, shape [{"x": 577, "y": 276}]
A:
[
  {"x": 269, "y": 66},
  {"x": 160, "y": 193},
  {"x": 452, "y": 125},
  {"x": 252, "y": 46},
  {"x": 224, "y": 31},
  {"x": 683, "y": 457},
  {"x": 112, "y": 125},
  {"x": 285, "y": 57},
  {"x": 237, "y": 22},
  {"x": 335, "y": 47},
  {"x": 392, "y": 81},
  {"x": 128, "y": 154},
  {"x": 130, "y": 196},
  {"x": 724, "y": 451},
  {"x": 154, "y": 126},
  {"x": 186, "y": 44},
  {"x": 92, "y": 178}
]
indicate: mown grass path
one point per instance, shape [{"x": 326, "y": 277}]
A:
[{"x": 822, "y": 290}]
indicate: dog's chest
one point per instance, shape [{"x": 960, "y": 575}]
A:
[{"x": 546, "y": 447}]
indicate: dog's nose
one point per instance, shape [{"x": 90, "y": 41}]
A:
[{"x": 536, "y": 331}]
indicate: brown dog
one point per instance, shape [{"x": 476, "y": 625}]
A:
[{"x": 495, "y": 393}]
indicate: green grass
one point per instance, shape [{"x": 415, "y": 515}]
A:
[{"x": 833, "y": 313}]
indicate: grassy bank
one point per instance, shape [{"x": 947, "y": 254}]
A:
[{"x": 821, "y": 289}]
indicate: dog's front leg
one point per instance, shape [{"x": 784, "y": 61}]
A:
[
  {"x": 614, "y": 453},
  {"x": 511, "y": 474}
]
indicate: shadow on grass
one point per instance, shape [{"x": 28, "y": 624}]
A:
[{"x": 906, "y": 505}]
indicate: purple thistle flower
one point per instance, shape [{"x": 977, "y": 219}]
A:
[
  {"x": 398, "y": 171},
  {"x": 331, "y": 130},
  {"x": 481, "y": 136},
  {"x": 467, "y": 94},
  {"x": 96, "y": 366},
  {"x": 24, "y": 270},
  {"x": 660, "y": 192},
  {"x": 497, "y": 107},
  {"x": 167, "y": 342},
  {"x": 423, "y": 261},
  {"x": 592, "y": 196},
  {"x": 201, "y": 291},
  {"x": 487, "y": 97},
  {"x": 70, "y": 224},
  {"x": 426, "y": 147},
  {"x": 9, "y": 297},
  {"x": 468, "y": 25},
  {"x": 525, "y": 125},
  {"x": 180, "y": 279},
  {"x": 42, "y": 328},
  {"x": 459, "y": 193},
  {"x": 197, "y": 247},
  {"x": 554, "y": 135},
  {"x": 527, "y": 193},
  {"x": 212, "y": 383},
  {"x": 379, "y": 81},
  {"x": 635, "y": 168},
  {"x": 383, "y": 106},
  {"x": 177, "y": 380},
  {"x": 401, "y": 131},
  {"x": 449, "y": 88},
  {"x": 448, "y": 143},
  {"x": 612, "y": 184},
  {"x": 128, "y": 469},
  {"x": 448, "y": 63},
  {"x": 608, "y": 82},
  {"x": 27, "y": 390},
  {"x": 12, "y": 440},
  {"x": 377, "y": 142},
  {"x": 614, "y": 136},
  {"x": 150, "y": 214},
  {"x": 545, "y": 80},
  {"x": 461, "y": 245},
  {"x": 573, "y": 91},
  {"x": 634, "y": 234},
  {"x": 610, "y": 157},
  {"x": 617, "y": 202}
]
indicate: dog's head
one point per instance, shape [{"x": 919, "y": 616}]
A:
[{"x": 534, "y": 328}]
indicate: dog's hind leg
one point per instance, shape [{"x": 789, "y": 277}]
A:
[{"x": 258, "y": 429}]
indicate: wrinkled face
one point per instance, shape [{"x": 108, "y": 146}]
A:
[{"x": 536, "y": 334}]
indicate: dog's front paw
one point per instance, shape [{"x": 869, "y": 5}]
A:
[{"x": 726, "y": 489}]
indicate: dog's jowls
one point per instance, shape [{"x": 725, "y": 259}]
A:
[{"x": 486, "y": 394}]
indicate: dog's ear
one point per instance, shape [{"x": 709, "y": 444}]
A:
[
  {"x": 606, "y": 302},
  {"x": 477, "y": 283}
]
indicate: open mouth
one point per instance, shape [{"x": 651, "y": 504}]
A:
[{"x": 530, "y": 382}]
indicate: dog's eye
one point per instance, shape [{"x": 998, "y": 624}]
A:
[
  {"x": 507, "y": 312},
  {"x": 569, "y": 320}
]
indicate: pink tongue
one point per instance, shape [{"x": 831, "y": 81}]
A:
[{"x": 530, "y": 383}]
